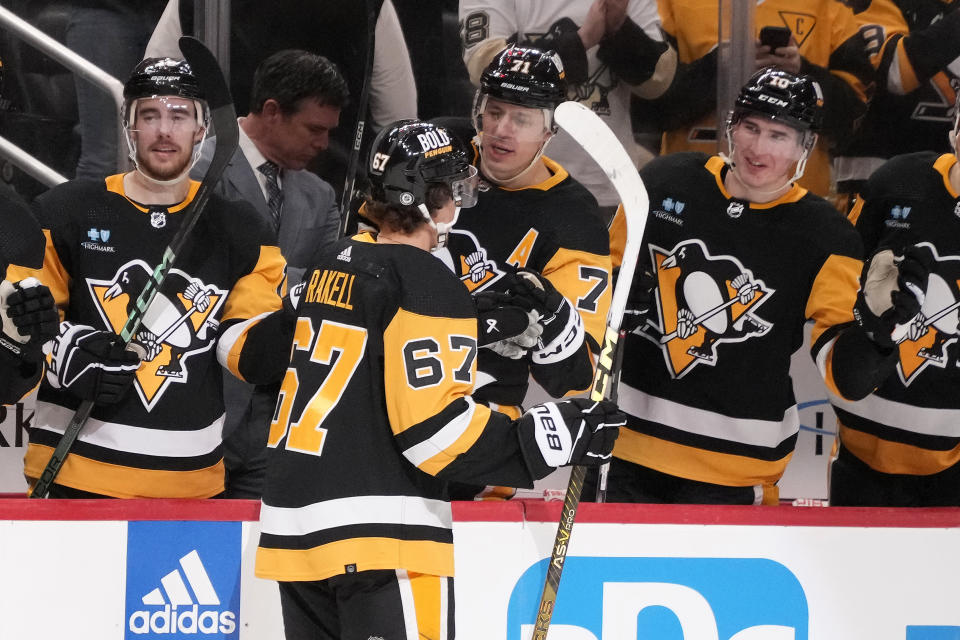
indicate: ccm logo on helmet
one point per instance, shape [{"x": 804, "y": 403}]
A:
[{"x": 777, "y": 102}]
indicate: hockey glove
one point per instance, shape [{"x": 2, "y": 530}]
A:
[
  {"x": 891, "y": 293},
  {"x": 501, "y": 316},
  {"x": 578, "y": 431},
  {"x": 29, "y": 316},
  {"x": 563, "y": 331},
  {"x": 639, "y": 300},
  {"x": 91, "y": 364}
]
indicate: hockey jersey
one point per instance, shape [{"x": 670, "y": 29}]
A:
[
  {"x": 705, "y": 382},
  {"x": 552, "y": 228},
  {"x": 488, "y": 25},
  {"x": 915, "y": 47},
  {"x": 911, "y": 424},
  {"x": 828, "y": 37},
  {"x": 374, "y": 417},
  {"x": 164, "y": 438}
]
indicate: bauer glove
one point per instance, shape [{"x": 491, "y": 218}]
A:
[
  {"x": 30, "y": 318},
  {"x": 578, "y": 431},
  {"x": 563, "y": 331},
  {"x": 891, "y": 293},
  {"x": 92, "y": 364}
]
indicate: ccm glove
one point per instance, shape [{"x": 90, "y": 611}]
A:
[
  {"x": 92, "y": 364},
  {"x": 30, "y": 318},
  {"x": 578, "y": 431},
  {"x": 639, "y": 300},
  {"x": 563, "y": 331},
  {"x": 891, "y": 293}
]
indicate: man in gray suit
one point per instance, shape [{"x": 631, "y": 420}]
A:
[{"x": 296, "y": 102}]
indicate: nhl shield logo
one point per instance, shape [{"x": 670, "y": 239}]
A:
[
  {"x": 678, "y": 207},
  {"x": 158, "y": 219},
  {"x": 735, "y": 209},
  {"x": 956, "y": 209}
]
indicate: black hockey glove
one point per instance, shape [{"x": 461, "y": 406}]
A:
[
  {"x": 563, "y": 331},
  {"x": 501, "y": 316},
  {"x": 578, "y": 431},
  {"x": 29, "y": 316},
  {"x": 891, "y": 294},
  {"x": 639, "y": 300},
  {"x": 92, "y": 364}
]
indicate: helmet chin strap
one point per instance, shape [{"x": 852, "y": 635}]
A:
[
  {"x": 442, "y": 228},
  {"x": 797, "y": 173}
]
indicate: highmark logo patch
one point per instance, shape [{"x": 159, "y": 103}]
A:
[
  {"x": 665, "y": 598},
  {"x": 183, "y": 580}
]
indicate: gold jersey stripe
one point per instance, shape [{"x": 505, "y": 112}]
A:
[
  {"x": 428, "y": 598},
  {"x": 887, "y": 456},
  {"x": 366, "y": 554},
  {"x": 470, "y": 435},
  {"x": 833, "y": 294},
  {"x": 697, "y": 464},
  {"x": 256, "y": 292},
  {"x": 118, "y": 481}
]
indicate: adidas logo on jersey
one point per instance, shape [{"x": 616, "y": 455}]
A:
[
  {"x": 345, "y": 255},
  {"x": 194, "y": 610}
]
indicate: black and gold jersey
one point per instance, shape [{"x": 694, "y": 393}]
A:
[
  {"x": 828, "y": 37},
  {"x": 705, "y": 382},
  {"x": 913, "y": 44},
  {"x": 374, "y": 417},
  {"x": 911, "y": 424},
  {"x": 164, "y": 438},
  {"x": 552, "y": 228}
]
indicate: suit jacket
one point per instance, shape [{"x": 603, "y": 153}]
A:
[
  {"x": 309, "y": 220},
  {"x": 310, "y": 217}
]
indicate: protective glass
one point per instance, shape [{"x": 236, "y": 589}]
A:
[
  {"x": 465, "y": 187},
  {"x": 166, "y": 114},
  {"x": 499, "y": 119}
]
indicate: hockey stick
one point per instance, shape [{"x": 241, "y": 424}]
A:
[
  {"x": 347, "y": 197},
  {"x": 706, "y": 315},
  {"x": 599, "y": 141},
  {"x": 224, "y": 119}
]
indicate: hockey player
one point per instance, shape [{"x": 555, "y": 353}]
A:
[
  {"x": 28, "y": 317},
  {"x": 900, "y": 446},
  {"x": 156, "y": 427},
  {"x": 375, "y": 415},
  {"x": 741, "y": 256},
  {"x": 609, "y": 50},
  {"x": 824, "y": 44},
  {"x": 532, "y": 215},
  {"x": 915, "y": 47}
]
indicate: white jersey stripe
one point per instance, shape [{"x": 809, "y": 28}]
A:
[
  {"x": 130, "y": 439},
  {"x": 922, "y": 420},
  {"x": 445, "y": 437},
  {"x": 410, "y": 510},
  {"x": 408, "y": 605},
  {"x": 753, "y": 432}
]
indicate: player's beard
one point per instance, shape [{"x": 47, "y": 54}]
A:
[{"x": 167, "y": 171}]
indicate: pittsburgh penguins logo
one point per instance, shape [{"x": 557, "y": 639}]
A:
[
  {"x": 471, "y": 262},
  {"x": 702, "y": 300},
  {"x": 178, "y": 324},
  {"x": 934, "y": 329}
]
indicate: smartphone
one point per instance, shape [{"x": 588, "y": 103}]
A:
[{"x": 775, "y": 37}]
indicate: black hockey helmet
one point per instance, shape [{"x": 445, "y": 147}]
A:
[
  {"x": 408, "y": 155},
  {"x": 782, "y": 96},
  {"x": 162, "y": 77},
  {"x": 525, "y": 76}
]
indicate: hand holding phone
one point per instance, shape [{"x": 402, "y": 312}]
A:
[{"x": 775, "y": 37}]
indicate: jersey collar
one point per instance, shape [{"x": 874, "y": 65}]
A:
[
  {"x": 115, "y": 184},
  {"x": 716, "y": 165},
  {"x": 942, "y": 166}
]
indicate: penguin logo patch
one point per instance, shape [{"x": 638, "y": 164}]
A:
[
  {"x": 180, "y": 322},
  {"x": 702, "y": 301},
  {"x": 735, "y": 209},
  {"x": 931, "y": 331},
  {"x": 471, "y": 262}
]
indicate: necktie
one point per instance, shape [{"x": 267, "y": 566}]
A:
[{"x": 274, "y": 195}]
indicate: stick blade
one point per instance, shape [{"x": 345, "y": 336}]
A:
[{"x": 214, "y": 85}]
